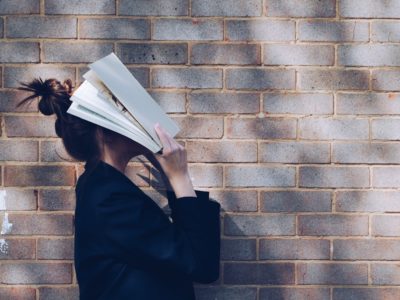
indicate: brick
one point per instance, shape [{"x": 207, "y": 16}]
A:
[
  {"x": 235, "y": 200},
  {"x": 41, "y": 27},
  {"x": 298, "y": 103},
  {"x": 333, "y": 31},
  {"x": 225, "y": 54},
  {"x": 259, "y": 176},
  {"x": 371, "y": 153},
  {"x": 35, "y": 273},
  {"x": 121, "y": 28},
  {"x": 56, "y": 199},
  {"x": 333, "y": 79},
  {"x": 259, "y": 273},
  {"x": 153, "y": 7},
  {"x": 76, "y": 7},
  {"x": 386, "y": 177},
  {"x": 18, "y": 249},
  {"x": 385, "y": 129},
  {"x": 192, "y": 78},
  {"x": 153, "y": 53},
  {"x": 369, "y": 9},
  {"x": 294, "y": 152},
  {"x": 54, "y": 151},
  {"x": 259, "y": 225},
  {"x": 260, "y": 30},
  {"x": 199, "y": 127},
  {"x": 385, "y": 80},
  {"x": 369, "y": 104},
  {"x": 332, "y": 273},
  {"x": 271, "y": 249},
  {"x": 170, "y": 102},
  {"x": 369, "y": 55},
  {"x": 10, "y": 98},
  {"x": 75, "y": 52},
  {"x": 385, "y": 274},
  {"x": 14, "y": 150},
  {"x": 18, "y": 293},
  {"x": 295, "y": 201},
  {"x": 41, "y": 224},
  {"x": 298, "y": 293},
  {"x": 46, "y": 175},
  {"x": 333, "y": 129},
  {"x": 386, "y": 226},
  {"x": 206, "y": 175},
  {"x": 326, "y": 225},
  {"x": 48, "y": 293},
  {"x": 216, "y": 103},
  {"x": 141, "y": 74},
  {"x": 368, "y": 201},
  {"x": 19, "y": 52},
  {"x": 238, "y": 249},
  {"x": 263, "y": 128},
  {"x": 223, "y": 292},
  {"x": 221, "y": 151},
  {"x": 385, "y": 31},
  {"x": 298, "y": 55},
  {"x": 55, "y": 248},
  {"x": 26, "y": 73},
  {"x": 260, "y": 79},
  {"x": 301, "y": 8},
  {"x": 187, "y": 29},
  {"x": 226, "y": 8},
  {"x": 30, "y": 126},
  {"x": 8, "y": 7},
  {"x": 138, "y": 174},
  {"x": 365, "y": 249},
  {"x": 17, "y": 199},
  {"x": 366, "y": 293}
]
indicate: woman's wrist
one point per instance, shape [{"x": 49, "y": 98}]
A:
[{"x": 182, "y": 185}]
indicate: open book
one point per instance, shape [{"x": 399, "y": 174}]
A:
[{"x": 111, "y": 97}]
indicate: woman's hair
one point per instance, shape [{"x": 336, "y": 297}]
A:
[{"x": 80, "y": 137}]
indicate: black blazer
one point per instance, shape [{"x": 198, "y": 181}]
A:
[{"x": 126, "y": 247}]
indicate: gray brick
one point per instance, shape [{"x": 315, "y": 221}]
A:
[
  {"x": 307, "y": 55},
  {"x": 259, "y": 176},
  {"x": 369, "y": 8},
  {"x": 54, "y": 151},
  {"x": 226, "y": 8},
  {"x": 41, "y": 27},
  {"x": 271, "y": 249},
  {"x": 76, "y": 7},
  {"x": 187, "y": 29},
  {"x": 386, "y": 80},
  {"x": 259, "y": 273},
  {"x": 295, "y": 201},
  {"x": 224, "y": 103},
  {"x": 206, "y": 175},
  {"x": 236, "y": 200},
  {"x": 75, "y": 52},
  {"x": 385, "y": 274},
  {"x": 259, "y": 225},
  {"x": 301, "y": 8},
  {"x": 8, "y": 7},
  {"x": 368, "y": 104},
  {"x": 334, "y": 177},
  {"x": 333, "y": 31},
  {"x": 152, "y": 53},
  {"x": 18, "y": 150},
  {"x": 61, "y": 248},
  {"x": 366, "y": 293},
  {"x": 153, "y": 7},
  {"x": 368, "y": 201},
  {"x": 369, "y": 55},
  {"x": 261, "y": 30},
  {"x": 294, "y": 152},
  {"x": 225, "y": 292},
  {"x": 10, "y": 98},
  {"x": 332, "y": 273},
  {"x": 29, "y": 126},
  {"x": 366, "y": 249},
  {"x": 238, "y": 249},
  {"x": 57, "y": 199},
  {"x": 387, "y": 225},
  {"x": 260, "y": 79},
  {"x": 333, "y": 79},
  {"x": 1, "y": 27},
  {"x": 141, "y": 74},
  {"x": 298, "y": 103},
  {"x": 334, "y": 224},
  {"x": 385, "y": 129},
  {"x": 47, "y": 293},
  {"x": 263, "y": 128},
  {"x": 386, "y": 177},
  {"x": 18, "y": 199},
  {"x": 199, "y": 127},
  {"x": 224, "y": 54},
  {"x": 370, "y": 153},
  {"x": 385, "y": 31},
  {"x": 121, "y": 28},
  {"x": 294, "y": 293},
  {"x": 19, "y": 52},
  {"x": 26, "y": 73},
  {"x": 170, "y": 102},
  {"x": 193, "y": 78}
]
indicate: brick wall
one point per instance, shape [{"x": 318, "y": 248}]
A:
[{"x": 289, "y": 110}]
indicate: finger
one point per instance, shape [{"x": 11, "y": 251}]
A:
[{"x": 163, "y": 137}]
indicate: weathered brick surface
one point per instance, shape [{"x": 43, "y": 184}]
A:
[
  {"x": 365, "y": 249},
  {"x": 386, "y": 80},
  {"x": 153, "y": 7},
  {"x": 385, "y": 129},
  {"x": 195, "y": 78},
  {"x": 368, "y": 104},
  {"x": 301, "y": 8},
  {"x": 385, "y": 31},
  {"x": 238, "y": 249},
  {"x": 19, "y": 7},
  {"x": 19, "y": 52},
  {"x": 294, "y": 152},
  {"x": 122, "y": 28},
  {"x": 384, "y": 225},
  {"x": 227, "y": 8},
  {"x": 76, "y": 7},
  {"x": 216, "y": 103},
  {"x": 369, "y": 55},
  {"x": 259, "y": 30},
  {"x": 369, "y": 8},
  {"x": 367, "y": 201}
]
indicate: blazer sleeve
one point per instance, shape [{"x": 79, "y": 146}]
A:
[{"x": 144, "y": 236}]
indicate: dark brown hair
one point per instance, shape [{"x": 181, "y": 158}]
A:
[{"x": 80, "y": 137}]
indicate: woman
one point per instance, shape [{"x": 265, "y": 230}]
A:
[{"x": 125, "y": 246}]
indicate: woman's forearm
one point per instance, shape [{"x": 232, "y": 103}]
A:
[{"x": 182, "y": 186}]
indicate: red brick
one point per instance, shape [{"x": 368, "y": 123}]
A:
[{"x": 55, "y": 248}]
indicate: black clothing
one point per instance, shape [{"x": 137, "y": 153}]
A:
[{"x": 126, "y": 247}]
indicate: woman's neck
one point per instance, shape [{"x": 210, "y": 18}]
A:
[{"x": 117, "y": 160}]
